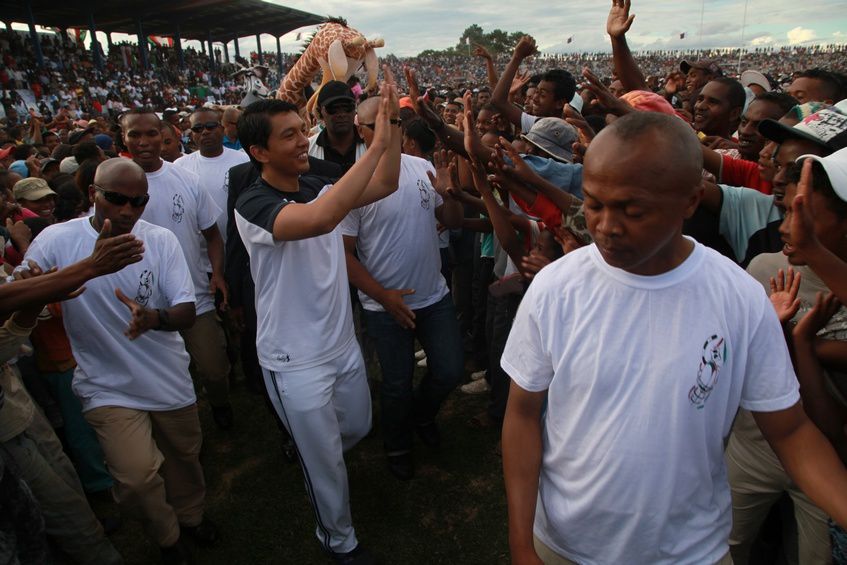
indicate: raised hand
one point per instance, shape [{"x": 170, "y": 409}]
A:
[
  {"x": 441, "y": 180},
  {"x": 519, "y": 81},
  {"x": 480, "y": 51},
  {"x": 784, "y": 289},
  {"x": 574, "y": 118},
  {"x": 619, "y": 20},
  {"x": 801, "y": 225},
  {"x": 392, "y": 301},
  {"x": 382, "y": 124},
  {"x": 19, "y": 233},
  {"x": 518, "y": 169},
  {"x": 422, "y": 109},
  {"x": 525, "y": 48},
  {"x": 531, "y": 264},
  {"x": 141, "y": 320},
  {"x": 604, "y": 96},
  {"x": 113, "y": 253}
]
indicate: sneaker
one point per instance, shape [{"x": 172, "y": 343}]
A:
[
  {"x": 420, "y": 354},
  {"x": 430, "y": 434},
  {"x": 479, "y": 375},
  {"x": 402, "y": 466},
  {"x": 359, "y": 556},
  {"x": 205, "y": 533},
  {"x": 223, "y": 416},
  {"x": 422, "y": 363},
  {"x": 176, "y": 554},
  {"x": 477, "y": 387}
]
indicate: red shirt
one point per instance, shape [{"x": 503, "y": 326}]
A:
[
  {"x": 542, "y": 208},
  {"x": 738, "y": 172}
]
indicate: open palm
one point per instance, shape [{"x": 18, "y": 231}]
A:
[{"x": 619, "y": 20}]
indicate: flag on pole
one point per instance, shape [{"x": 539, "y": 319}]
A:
[
  {"x": 570, "y": 39},
  {"x": 160, "y": 41},
  {"x": 682, "y": 35}
]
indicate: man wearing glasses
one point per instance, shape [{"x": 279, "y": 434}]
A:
[
  {"x": 132, "y": 375},
  {"x": 178, "y": 203},
  {"x": 339, "y": 142}
]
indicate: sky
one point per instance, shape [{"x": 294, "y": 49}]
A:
[{"x": 411, "y": 26}]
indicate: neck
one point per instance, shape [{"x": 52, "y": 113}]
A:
[
  {"x": 216, "y": 152},
  {"x": 341, "y": 143},
  {"x": 149, "y": 166},
  {"x": 281, "y": 180},
  {"x": 673, "y": 256}
]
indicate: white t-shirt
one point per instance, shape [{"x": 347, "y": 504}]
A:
[
  {"x": 150, "y": 372},
  {"x": 213, "y": 173},
  {"x": 527, "y": 121},
  {"x": 179, "y": 204},
  {"x": 302, "y": 293},
  {"x": 397, "y": 238},
  {"x": 644, "y": 376}
]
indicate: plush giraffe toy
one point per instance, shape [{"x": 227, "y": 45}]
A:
[{"x": 338, "y": 51}]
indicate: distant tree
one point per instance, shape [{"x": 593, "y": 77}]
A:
[{"x": 496, "y": 41}]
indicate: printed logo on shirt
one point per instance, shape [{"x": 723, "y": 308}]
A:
[
  {"x": 423, "y": 188},
  {"x": 284, "y": 357},
  {"x": 178, "y": 210},
  {"x": 711, "y": 362},
  {"x": 145, "y": 287}
]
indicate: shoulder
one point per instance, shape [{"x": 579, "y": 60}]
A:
[
  {"x": 185, "y": 160},
  {"x": 765, "y": 265},
  {"x": 235, "y": 156},
  {"x": 415, "y": 163},
  {"x": 566, "y": 273},
  {"x": 61, "y": 232},
  {"x": 259, "y": 200},
  {"x": 189, "y": 178}
]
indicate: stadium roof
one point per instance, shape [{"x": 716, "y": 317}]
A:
[{"x": 197, "y": 19}]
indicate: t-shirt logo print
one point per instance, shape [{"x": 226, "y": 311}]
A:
[
  {"x": 179, "y": 209},
  {"x": 711, "y": 362},
  {"x": 425, "y": 196},
  {"x": 145, "y": 287}
]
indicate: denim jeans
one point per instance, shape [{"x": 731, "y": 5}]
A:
[{"x": 403, "y": 406}]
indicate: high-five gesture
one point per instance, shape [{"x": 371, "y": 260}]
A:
[
  {"x": 619, "y": 20},
  {"x": 113, "y": 253},
  {"x": 142, "y": 319}
]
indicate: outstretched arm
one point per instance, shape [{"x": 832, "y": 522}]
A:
[
  {"x": 617, "y": 25},
  {"x": 490, "y": 70},
  {"x": 500, "y": 97},
  {"x": 386, "y": 176}
]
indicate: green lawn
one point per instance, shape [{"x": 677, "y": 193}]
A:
[{"x": 452, "y": 512}]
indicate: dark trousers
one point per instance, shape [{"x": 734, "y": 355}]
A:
[{"x": 501, "y": 313}]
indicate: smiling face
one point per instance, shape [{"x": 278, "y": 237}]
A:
[
  {"x": 750, "y": 141},
  {"x": 286, "y": 153},
  {"x": 713, "y": 112},
  {"x": 44, "y": 207}
]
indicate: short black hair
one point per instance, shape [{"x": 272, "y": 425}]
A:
[
  {"x": 418, "y": 130},
  {"x": 822, "y": 185},
  {"x": 202, "y": 109},
  {"x": 22, "y": 152},
  {"x": 735, "y": 91},
  {"x": 781, "y": 99},
  {"x": 69, "y": 200},
  {"x": 85, "y": 151},
  {"x": 138, "y": 112},
  {"x": 833, "y": 85},
  {"x": 564, "y": 84},
  {"x": 254, "y": 124}
]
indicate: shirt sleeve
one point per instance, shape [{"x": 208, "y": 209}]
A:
[
  {"x": 176, "y": 284},
  {"x": 41, "y": 254},
  {"x": 743, "y": 213},
  {"x": 769, "y": 381},
  {"x": 527, "y": 122},
  {"x": 351, "y": 222},
  {"x": 207, "y": 211},
  {"x": 738, "y": 172},
  {"x": 255, "y": 214},
  {"x": 524, "y": 358}
]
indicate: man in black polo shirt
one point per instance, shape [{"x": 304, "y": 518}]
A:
[{"x": 338, "y": 142}]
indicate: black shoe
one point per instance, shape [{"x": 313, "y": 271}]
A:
[
  {"x": 402, "y": 466},
  {"x": 359, "y": 556},
  {"x": 176, "y": 554},
  {"x": 223, "y": 417},
  {"x": 205, "y": 533},
  {"x": 429, "y": 434}
]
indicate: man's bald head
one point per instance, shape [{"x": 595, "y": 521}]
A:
[
  {"x": 368, "y": 110},
  {"x": 660, "y": 146},
  {"x": 113, "y": 173}
]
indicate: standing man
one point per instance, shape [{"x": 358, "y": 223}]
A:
[
  {"x": 178, "y": 203},
  {"x": 624, "y": 389},
  {"x": 132, "y": 378},
  {"x": 310, "y": 358},
  {"x": 230, "y": 120},
  {"x": 339, "y": 142},
  {"x": 404, "y": 297}
]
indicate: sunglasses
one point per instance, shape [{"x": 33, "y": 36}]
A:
[
  {"x": 119, "y": 199},
  {"x": 211, "y": 126},
  {"x": 339, "y": 109}
]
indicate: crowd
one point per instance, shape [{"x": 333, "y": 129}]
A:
[{"x": 640, "y": 260}]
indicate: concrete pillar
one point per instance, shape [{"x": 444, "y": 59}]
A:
[
  {"x": 33, "y": 35},
  {"x": 278, "y": 55},
  {"x": 142, "y": 44},
  {"x": 259, "y": 48},
  {"x": 95, "y": 45},
  {"x": 178, "y": 45}
]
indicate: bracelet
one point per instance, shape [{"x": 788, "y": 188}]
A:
[{"x": 164, "y": 320}]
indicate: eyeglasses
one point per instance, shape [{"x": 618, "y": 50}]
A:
[
  {"x": 119, "y": 199},
  {"x": 339, "y": 109},
  {"x": 211, "y": 126}
]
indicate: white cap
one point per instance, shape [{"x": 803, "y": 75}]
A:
[
  {"x": 68, "y": 165},
  {"x": 755, "y": 77},
  {"x": 835, "y": 166},
  {"x": 576, "y": 102}
]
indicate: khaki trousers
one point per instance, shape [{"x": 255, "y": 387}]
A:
[
  {"x": 550, "y": 557},
  {"x": 205, "y": 341},
  {"x": 154, "y": 458}
]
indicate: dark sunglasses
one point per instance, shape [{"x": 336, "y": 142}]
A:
[
  {"x": 119, "y": 199},
  {"x": 339, "y": 109},
  {"x": 211, "y": 126}
]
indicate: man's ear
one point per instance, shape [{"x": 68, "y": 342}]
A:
[{"x": 260, "y": 153}]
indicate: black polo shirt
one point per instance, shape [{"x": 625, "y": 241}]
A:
[{"x": 346, "y": 160}]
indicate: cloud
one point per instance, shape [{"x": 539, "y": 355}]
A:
[
  {"x": 765, "y": 39},
  {"x": 800, "y": 35}
]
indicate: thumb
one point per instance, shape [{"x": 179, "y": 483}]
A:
[
  {"x": 9, "y": 224},
  {"x": 124, "y": 298},
  {"x": 407, "y": 291},
  {"x": 431, "y": 177},
  {"x": 106, "y": 229}
]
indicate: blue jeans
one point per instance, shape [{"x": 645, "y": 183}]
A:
[{"x": 403, "y": 406}]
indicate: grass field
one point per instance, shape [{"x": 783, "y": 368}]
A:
[{"x": 452, "y": 512}]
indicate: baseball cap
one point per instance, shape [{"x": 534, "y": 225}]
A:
[
  {"x": 827, "y": 128},
  {"x": 554, "y": 137},
  {"x": 755, "y": 77},
  {"x": 20, "y": 168},
  {"x": 47, "y": 162},
  {"x": 103, "y": 141},
  {"x": 77, "y": 134},
  {"x": 6, "y": 152},
  {"x": 333, "y": 91},
  {"x": 647, "y": 101},
  {"x": 32, "y": 188},
  {"x": 68, "y": 165},
  {"x": 708, "y": 65},
  {"x": 835, "y": 166}
]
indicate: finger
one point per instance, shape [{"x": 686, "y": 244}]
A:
[
  {"x": 9, "y": 224},
  {"x": 125, "y": 299},
  {"x": 389, "y": 76},
  {"x": 75, "y": 293},
  {"x": 407, "y": 292},
  {"x": 105, "y": 229},
  {"x": 805, "y": 185},
  {"x": 773, "y": 285},
  {"x": 431, "y": 178}
]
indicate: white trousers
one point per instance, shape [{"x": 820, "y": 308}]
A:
[{"x": 327, "y": 410}]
